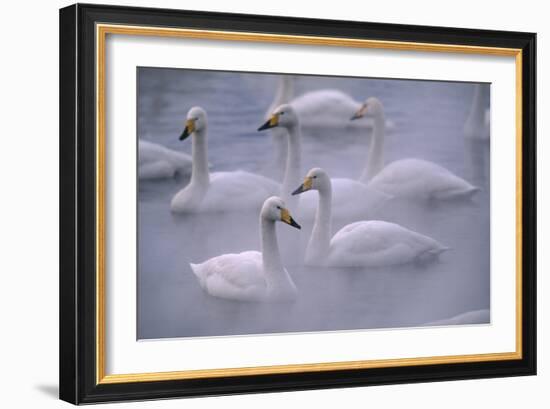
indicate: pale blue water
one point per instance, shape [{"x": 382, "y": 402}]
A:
[{"x": 428, "y": 118}]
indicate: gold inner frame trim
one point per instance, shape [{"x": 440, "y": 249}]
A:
[{"x": 101, "y": 33}]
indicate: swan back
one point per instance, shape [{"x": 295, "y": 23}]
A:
[
  {"x": 233, "y": 276},
  {"x": 377, "y": 243}
]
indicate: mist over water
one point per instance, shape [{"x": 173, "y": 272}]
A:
[{"x": 428, "y": 118}]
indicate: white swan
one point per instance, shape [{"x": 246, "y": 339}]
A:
[
  {"x": 157, "y": 162},
  {"x": 477, "y": 125},
  {"x": 252, "y": 275},
  {"x": 361, "y": 244},
  {"x": 354, "y": 198},
  {"x": 411, "y": 178},
  {"x": 219, "y": 191},
  {"x": 470, "y": 317}
]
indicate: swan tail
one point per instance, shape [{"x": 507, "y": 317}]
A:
[
  {"x": 431, "y": 254},
  {"x": 464, "y": 194},
  {"x": 196, "y": 269}
]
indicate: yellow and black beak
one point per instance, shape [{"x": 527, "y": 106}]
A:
[
  {"x": 360, "y": 113},
  {"x": 304, "y": 187},
  {"x": 287, "y": 218},
  {"x": 189, "y": 129},
  {"x": 270, "y": 123}
]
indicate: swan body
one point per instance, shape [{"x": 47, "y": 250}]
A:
[
  {"x": 158, "y": 162},
  {"x": 219, "y": 191},
  {"x": 378, "y": 243},
  {"x": 416, "y": 178},
  {"x": 252, "y": 275},
  {"x": 470, "y": 317},
  {"x": 326, "y": 108},
  {"x": 477, "y": 125},
  {"x": 353, "y": 197},
  {"x": 408, "y": 178},
  {"x": 364, "y": 243}
]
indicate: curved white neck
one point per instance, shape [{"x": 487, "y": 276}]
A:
[
  {"x": 375, "y": 158},
  {"x": 275, "y": 275},
  {"x": 200, "y": 174},
  {"x": 319, "y": 243},
  {"x": 293, "y": 169}
]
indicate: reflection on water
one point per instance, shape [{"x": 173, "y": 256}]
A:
[{"x": 428, "y": 118}]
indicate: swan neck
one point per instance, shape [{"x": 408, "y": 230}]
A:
[
  {"x": 319, "y": 242},
  {"x": 293, "y": 169},
  {"x": 375, "y": 157},
  {"x": 200, "y": 173},
  {"x": 271, "y": 257}
]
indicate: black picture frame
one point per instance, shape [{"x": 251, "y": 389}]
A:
[{"x": 78, "y": 360}]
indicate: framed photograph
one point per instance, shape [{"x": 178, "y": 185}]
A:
[{"x": 257, "y": 203}]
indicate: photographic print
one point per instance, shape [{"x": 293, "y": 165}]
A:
[
  {"x": 279, "y": 203},
  {"x": 261, "y": 203}
]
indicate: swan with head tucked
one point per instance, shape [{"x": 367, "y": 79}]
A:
[
  {"x": 219, "y": 191},
  {"x": 371, "y": 243},
  {"x": 410, "y": 178},
  {"x": 252, "y": 275},
  {"x": 353, "y": 198},
  {"x": 318, "y": 109},
  {"x": 477, "y": 125},
  {"x": 157, "y": 162}
]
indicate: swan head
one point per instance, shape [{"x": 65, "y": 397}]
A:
[
  {"x": 315, "y": 179},
  {"x": 284, "y": 116},
  {"x": 274, "y": 209},
  {"x": 372, "y": 107},
  {"x": 196, "y": 121}
]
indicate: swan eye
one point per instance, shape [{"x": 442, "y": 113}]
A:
[
  {"x": 315, "y": 177},
  {"x": 282, "y": 113},
  {"x": 279, "y": 207}
]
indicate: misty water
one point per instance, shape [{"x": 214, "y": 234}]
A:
[{"x": 428, "y": 120}]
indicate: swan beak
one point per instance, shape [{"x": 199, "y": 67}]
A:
[
  {"x": 360, "y": 113},
  {"x": 189, "y": 129},
  {"x": 270, "y": 123},
  {"x": 287, "y": 218},
  {"x": 304, "y": 187}
]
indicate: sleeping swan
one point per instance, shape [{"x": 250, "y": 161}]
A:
[
  {"x": 157, "y": 162},
  {"x": 410, "y": 178},
  {"x": 252, "y": 275},
  {"x": 361, "y": 244},
  {"x": 354, "y": 197},
  {"x": 219, "y": 191}
]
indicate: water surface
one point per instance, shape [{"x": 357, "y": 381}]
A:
[{"x": 428, "y": 118}]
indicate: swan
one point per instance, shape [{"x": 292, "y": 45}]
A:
[
  {"x": 371, "y": 243},
  {"x": 157, "y": 161},
  {"x": 283, "y": 95},
  {"x": 252, "y": 275},
  {"x": 219, "y": 191},
  {"x": 318, "y": 109},
  {"x": 353, "y": 198},
  {"x": 285, "y": 117},
  {"x": 470, "y": 317},
  {"x": 477, "y": 125},
  {"x": 410, "y": 178}
]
